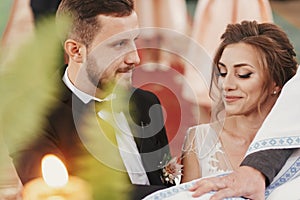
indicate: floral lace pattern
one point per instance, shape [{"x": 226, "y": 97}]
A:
[{"x": 204, "y": 142}]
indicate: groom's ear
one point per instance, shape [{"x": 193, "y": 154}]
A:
[{"x": 75, "y": 50}]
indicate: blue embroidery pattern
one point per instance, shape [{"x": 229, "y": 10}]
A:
[
  {"x": 290, "y": 174},
  {"x": 275, "y": 142}
]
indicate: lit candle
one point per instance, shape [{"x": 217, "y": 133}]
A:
[{"x": 56, "y": 184}]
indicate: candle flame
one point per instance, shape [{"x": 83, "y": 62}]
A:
[{"x": 54, "y": 171}]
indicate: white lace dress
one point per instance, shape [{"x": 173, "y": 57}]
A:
[{"x": 205, "y": 143}]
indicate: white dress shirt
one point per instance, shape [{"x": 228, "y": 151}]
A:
[{"x": 126, "y": 144}]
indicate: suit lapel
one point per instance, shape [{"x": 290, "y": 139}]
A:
[{"x": 147, "y": 146}]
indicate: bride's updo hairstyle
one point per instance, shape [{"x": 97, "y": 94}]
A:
[{"x": 275, "y": 53}]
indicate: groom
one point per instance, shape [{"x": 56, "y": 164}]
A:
[{"x": 101, "y": 51}]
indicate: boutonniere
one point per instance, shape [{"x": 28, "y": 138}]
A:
[{"x": 171, "y": 169}]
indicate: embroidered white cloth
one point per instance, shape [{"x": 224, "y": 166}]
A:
[
  {"x": 181, "y": 192},
  {"x": 289, "y": 190},
  {"x": 281, "y": 130},
  {"x": 286, "y": 180}
]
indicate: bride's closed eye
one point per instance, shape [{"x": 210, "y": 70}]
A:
[
  {"x": 222, "y": 71},
  {"x": 247, "y": 75},
  {"x": 222, "y": 74},
  {"x": 240, "y": 72}
]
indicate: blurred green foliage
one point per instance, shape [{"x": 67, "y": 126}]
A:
[
  {"x": 28, "y": 86},
  {"x": 28, "y": 83}
]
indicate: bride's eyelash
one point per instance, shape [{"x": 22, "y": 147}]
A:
[
  {"x": 245, "y": 75},
  {"x": 219, "y": 73},
  {"x": 222, "y": 74}
]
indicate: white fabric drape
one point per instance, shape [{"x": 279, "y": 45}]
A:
[{"x": 281, "y": 130}]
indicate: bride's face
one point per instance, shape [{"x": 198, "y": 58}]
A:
[{"x": 242, "y": 79}]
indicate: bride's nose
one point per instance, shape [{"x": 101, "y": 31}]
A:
[{"x": 229, "y": 82}]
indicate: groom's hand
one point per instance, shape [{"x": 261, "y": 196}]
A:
[{"x": 244, "y": 182}]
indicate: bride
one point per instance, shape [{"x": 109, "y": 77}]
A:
[{"x": 252, "y": 64}]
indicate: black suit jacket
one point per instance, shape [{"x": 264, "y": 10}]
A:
[{"x": 60, "y": 136}]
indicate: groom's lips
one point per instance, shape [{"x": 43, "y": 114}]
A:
[{"x": 126, "y": 69}]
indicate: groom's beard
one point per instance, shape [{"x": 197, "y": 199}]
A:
[{"x": 96, "y": 75}]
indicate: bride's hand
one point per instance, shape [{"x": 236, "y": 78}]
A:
[{"x": 244, "y": 182}]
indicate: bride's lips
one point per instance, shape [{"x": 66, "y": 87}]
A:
[{"x": 230, "y": 99}]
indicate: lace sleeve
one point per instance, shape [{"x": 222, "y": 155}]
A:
[
  {"x": 191, "y": 167},
  {"x": 203, "y": 154},
  {"x": 194, "y": 140},
  {"x": 189, "y": 142}
]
